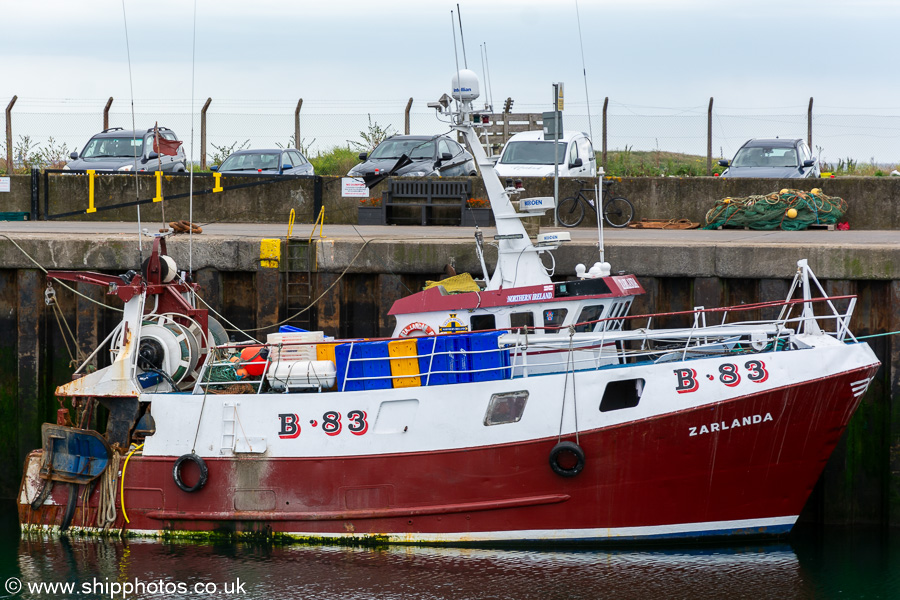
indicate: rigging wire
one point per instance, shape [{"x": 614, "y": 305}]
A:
[
  {"x": 191, "y": 185},
  {"x": 133, "y": 138},
  {"x": 598, "y": 191},
  {"x": 65, "y": 285}
]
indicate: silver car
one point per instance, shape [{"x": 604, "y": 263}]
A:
[
  {"x": 278, "y": 161},
  {"x": 772, "y": 158},
  {"x": 116, "y": 149}
]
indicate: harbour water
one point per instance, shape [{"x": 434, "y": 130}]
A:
[{"x": 812, "y": 563}]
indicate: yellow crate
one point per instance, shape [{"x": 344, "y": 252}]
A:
[
  {"x": 326, "y": 352},
  {"x": 404, "y": 361}
]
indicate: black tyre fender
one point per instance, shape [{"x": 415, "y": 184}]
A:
[
  {"x": 571, "y": 448},
  {"x": 201, "y": 464}
]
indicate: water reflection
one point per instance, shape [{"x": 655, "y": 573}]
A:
[
  {"x": 829, "y": 563},
  {"x": 408, "y": 572}
]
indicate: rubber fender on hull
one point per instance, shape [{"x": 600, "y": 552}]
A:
[
  {"x": 201, "y": 464},
  {"x": 562, "y": 449}
]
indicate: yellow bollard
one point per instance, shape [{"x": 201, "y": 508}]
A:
[
  {"x": 218, "y": 187},
  {"x": 291, "y": 223},
  {"x": 91, "y": 174},
  {"x": 159, "y": 196}
]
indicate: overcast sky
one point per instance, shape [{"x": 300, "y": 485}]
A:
[
  {"x": 650, "y": 57},
  {"x": 762, "y": 54}
]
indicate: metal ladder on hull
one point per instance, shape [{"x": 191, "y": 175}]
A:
[{"x": 299, "y": 264}]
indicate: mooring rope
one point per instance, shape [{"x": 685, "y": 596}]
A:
[
  {"x": 106, "y": 513},
  {"x": 570, "y": 364}
]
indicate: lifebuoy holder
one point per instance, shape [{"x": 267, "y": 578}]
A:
[
  {"x": 563, "y": 449},
  {"x": 201, "y": 464},
  {"x": 415, "y": 326}
]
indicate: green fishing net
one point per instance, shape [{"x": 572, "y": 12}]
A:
[{"x": 773, "y": 211}]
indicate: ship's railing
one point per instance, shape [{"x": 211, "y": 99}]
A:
[
  {"x": 561, "y": 349},
  {"x": 484, "y": 356}
]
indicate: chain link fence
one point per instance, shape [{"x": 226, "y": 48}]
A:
[{"x": 45, "y": 131}]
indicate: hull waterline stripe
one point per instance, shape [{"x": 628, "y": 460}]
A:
[{"x": 771, "y": 526}]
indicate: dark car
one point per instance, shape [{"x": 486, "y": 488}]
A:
[
  {"x": 436, "y": 156},
  {"x": 116, "y": 149},
  {"x": 286, "y": 161},
  {"x": 772, "y": 158}
]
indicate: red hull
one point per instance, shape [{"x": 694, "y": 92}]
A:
[{"x": 644, "y": 474}]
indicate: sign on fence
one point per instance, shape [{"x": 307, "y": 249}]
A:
[
  {"x": 4, "y": 184},
  {"x": 354, "y": 187}
]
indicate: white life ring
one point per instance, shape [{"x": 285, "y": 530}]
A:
[{"x": 425, "y": 328}]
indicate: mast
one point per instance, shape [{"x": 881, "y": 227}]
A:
[{"x": 518, "y": 263}]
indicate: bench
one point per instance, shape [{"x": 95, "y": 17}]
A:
[{"x": 426, "y": 195}]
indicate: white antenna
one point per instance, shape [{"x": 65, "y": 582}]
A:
[
  {"x": 598, "y": 194},
  {"x": 462, "y": 40},
  {"x": 133, "y": 139},
  {"x": 484, "y": 74},
  {"x": 455, "y": 56},
  {"x": 488, "y": 76}
]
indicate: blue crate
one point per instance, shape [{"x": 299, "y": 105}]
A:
[
  {"x": 363, "y": 374},
  {"x": 485, "y": 353},
  {"x": 449, "y": 362}
]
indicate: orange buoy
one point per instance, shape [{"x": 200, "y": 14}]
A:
[{"x": 252, "y": 362}]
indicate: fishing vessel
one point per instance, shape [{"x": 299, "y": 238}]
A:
[{"x": 521, "y": 410}]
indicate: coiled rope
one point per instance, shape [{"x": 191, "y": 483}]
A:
[{"x": 106, "y": 513}]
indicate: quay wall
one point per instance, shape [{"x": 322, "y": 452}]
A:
[
  {"x": 873, "y": 202},
  {"x": 861, "y": 482}
]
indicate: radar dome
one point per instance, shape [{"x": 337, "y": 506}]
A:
[{"x": 465, "y": 85}]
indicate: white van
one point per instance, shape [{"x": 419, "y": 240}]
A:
[{"x": 527, "y": 154}]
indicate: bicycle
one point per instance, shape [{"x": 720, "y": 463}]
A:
[{"x": 617, "y": 211}]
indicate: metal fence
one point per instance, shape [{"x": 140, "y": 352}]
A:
[{"x": 41, "y": 129}]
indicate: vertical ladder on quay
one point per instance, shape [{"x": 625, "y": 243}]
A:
[{"x": 298, "y": 282}]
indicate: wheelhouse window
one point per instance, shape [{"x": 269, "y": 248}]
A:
[
  {"x": 592, "y": 312},
  {"x": 505, "y": 408},
  {"x": 554, "y": 317},
  {"x": 621, "y": 394},
  {"x": 522, "y": 320},
  {"x": 482, "y": 322}
]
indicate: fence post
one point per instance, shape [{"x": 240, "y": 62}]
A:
[
  {"x": 809, "y": 124},
  {"x": 203, "y": 134},
  {"x": 9, "y": 145},
  {"x": 406, "y": 117},
  {"x": 709, "y": 138},
  {"x": 297, "y": 124},
  {"x": 603, "y": 132},
  {"x": 35, "y": 192},
  {"x": 106, "y": 114}
]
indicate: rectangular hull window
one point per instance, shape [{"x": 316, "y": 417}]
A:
[
  {"x": 506, "y": 408},
  {"x": 621, "y": 394}
]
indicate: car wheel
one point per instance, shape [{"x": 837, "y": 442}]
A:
[{"x": 473, "y": 174}]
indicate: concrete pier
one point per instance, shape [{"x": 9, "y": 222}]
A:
[{"x": 365, "y": 269}]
